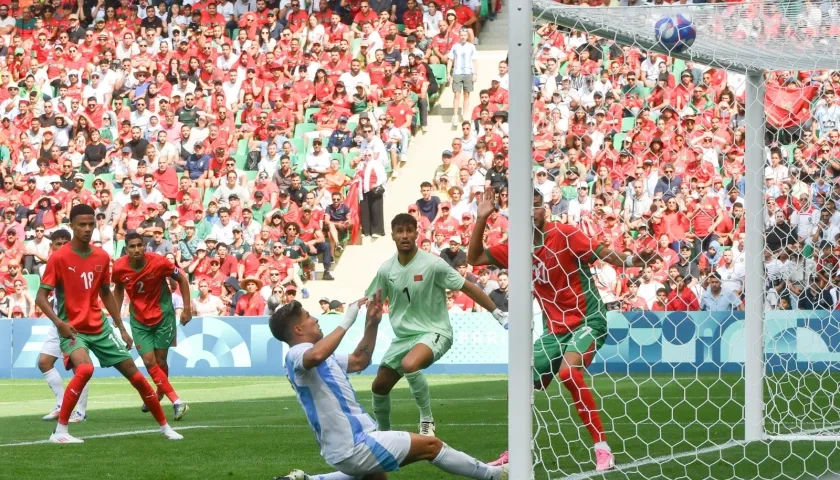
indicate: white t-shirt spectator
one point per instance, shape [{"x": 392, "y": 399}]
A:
[
  {"x": 211, "y": 306},
  {"x": 431, "y": 22}
]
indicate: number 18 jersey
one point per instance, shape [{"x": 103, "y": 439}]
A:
[{"x": 76, "y": 278}]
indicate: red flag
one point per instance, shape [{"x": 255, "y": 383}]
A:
[
  {"x": 352, "y": 202},
  {"x": 418, "y": 278},
  {"x": 788, "y": 107}
]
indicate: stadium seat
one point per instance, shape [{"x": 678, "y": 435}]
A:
[
  {"x": 302, "y": 128},
  {"x": 618, "y": 140},
  {"x": 355, "y": 46},
  {"x": 307, "y": 116},
  {"x": 352, "y": 126},
  {"x": 208, "y": 194},
  {"x": 89, "y": 181},
  {"x": 569, "y": 192},
  {"x": 627, "y": 124},
  {"x": 300, "y": 147},
  {"x": 349, "y": 157},
  {"x": 339, "y": 157},
  {"x": 251, "y": 175},
  {"x": 33, "y": 281},
  {"x": 439, "y": 71}
]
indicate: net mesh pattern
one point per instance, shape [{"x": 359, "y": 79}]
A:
[{"x": 637, "y": 150}]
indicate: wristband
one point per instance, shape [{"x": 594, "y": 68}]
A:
[{"x": 350, "y": 316}]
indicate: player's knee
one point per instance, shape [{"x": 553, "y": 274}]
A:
[
  {"x": 149, "y": 361},
  {"x": 564, "y": 374},
  {"x": 409, "y": 367},
  {"x": 46, "y": 363},
  {"x": 380, "y": 388},
  {"x": 432, "y": 448},
  {"x": 84, "y": 371}
]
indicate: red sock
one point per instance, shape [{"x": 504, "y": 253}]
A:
[
  {"x": 138, "y": 381},
  {"x": 81, "y": 376},
  {"x": 162, "y": 382},
  {"x": 572, "y": 379},
  {"x": 165, "y": 369}
]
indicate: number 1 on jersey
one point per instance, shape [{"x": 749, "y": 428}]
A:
[
  {"x": 408, "y": 295},
  {"x": 87, "y": 278}
]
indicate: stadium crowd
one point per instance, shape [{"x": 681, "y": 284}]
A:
[
  {"x": 246, "y": 140},
  {"x": 249, "y": 140}
]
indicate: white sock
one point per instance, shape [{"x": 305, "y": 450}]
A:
[
  {"x": 81, "y": 406},
  {"x": 59, "y": 428},
  {"x": 459, "y": 463},
  {"x": 330, "y": 476},
  {"x": 602, "y": 446},
  {"x": 55, "y": 383},
  {"x": 165, "y": 428}
]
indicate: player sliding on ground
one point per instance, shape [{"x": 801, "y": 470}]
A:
[
  {"x": 415, "y": 283},
  {"x": 80, "y": 275},
  {"x": 575, "y": 317},
  {"x": 347, "y": 435},
  {"x": 143, "y": 274},
  {"x": 51, "y": 351}
]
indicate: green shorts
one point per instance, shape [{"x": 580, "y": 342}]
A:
[
  {"x": 550, "y": 348},
  {"x": 157, "y": 337},
  {"x": 107, "y": 346},
  {"x": 400, "y": 347}
]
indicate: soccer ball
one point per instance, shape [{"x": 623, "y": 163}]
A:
[{"x": 675, "y": 33}]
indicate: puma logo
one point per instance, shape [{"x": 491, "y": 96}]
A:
[{"x": 72, "y": 269}]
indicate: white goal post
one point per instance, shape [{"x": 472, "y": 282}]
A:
[{"x": 749, "y": 58}]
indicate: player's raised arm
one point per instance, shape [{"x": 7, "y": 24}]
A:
[
  {"x": 361, "y": 357},
  {"x": 475, "y": 253},
  {"x": 621, "y": 259}
]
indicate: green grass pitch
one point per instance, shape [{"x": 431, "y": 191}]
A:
[{"x": 253, "y": 428}]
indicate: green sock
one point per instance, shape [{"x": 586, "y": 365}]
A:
[
  {"x": 382, "y": 411},
  {"x": 419, "y": 387}
]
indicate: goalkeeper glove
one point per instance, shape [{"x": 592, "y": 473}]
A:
[
  {"x": 501, "y": 317},
  {"x": 350, "y": 315}
]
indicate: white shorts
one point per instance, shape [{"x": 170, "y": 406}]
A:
[
  {"x": 379, "y": 452},
  {"x": 51, "y": 346}
]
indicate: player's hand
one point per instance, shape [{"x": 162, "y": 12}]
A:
[
  {"x": 487, "y": 204},
  {"x": 374, "y": 310},
  {"x": 501, "y": 317},
  {"x": 66, "y": 331},
  {"x": 126, "y": 338},
  {"x": 352, "y": 313},
  {"x": 646, "y": 255},
  {"x": 186, "y": 316}
]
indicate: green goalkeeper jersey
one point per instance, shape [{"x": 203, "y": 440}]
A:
[{"x": 417, "y": 293}]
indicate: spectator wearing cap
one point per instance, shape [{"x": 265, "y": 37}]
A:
[
  {"x": 341, "y": 139},
  {"x": 150, "y": 221},
  {"x": 497, "y": 176},
  {"x": 317, "y": 161},
  {"x": 543, "y": 184},
  {"x": 453, "y": 255},
  {"x": 250, "y": 304},
  {"x": 197, "y": 166},
  {"x": 446, "y": 168}
]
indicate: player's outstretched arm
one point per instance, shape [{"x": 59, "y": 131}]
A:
[
  {"x": 361, "y": 357},
  {"x": 475, "y": 253},
  {"x": 114, "y": 310},
  {"x": 325, "y": 347},
  {"x": 477, "y": 294},
  {"x": 621, "y": 259},
  {"x": 184, "y": 288}
]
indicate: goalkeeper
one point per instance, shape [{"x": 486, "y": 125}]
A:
[
  {"x": 574, "y": 315},
  {"x": 415, "y": 284}
]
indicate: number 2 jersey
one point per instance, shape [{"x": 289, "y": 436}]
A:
[
  {"x": 563, "y": 281},
  {"x": 149, "y": 296},
  {"x": 416, "y": 293},
  {"x": 75, "y": 278}
]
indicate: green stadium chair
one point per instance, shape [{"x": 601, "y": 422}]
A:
[
  {"x": 348, "y": 158},
  {"x": 439, "y": 71},
  {"x": 569, "y": 192},
  {"x": 618, "y": 141},
  {"x": 108, "y": 178},
  {"x": 241, "y": 162},
  {"x": 563, "y": 69},
  {"x": 89, "y": 181},
  {"x": 352, "y": 126},
  {"x": 627, "y": 124},
  {"x": 677, "y": 68},
  {"x": 251, "y": 175},
  {"x": 300, "y": 147},
  {"x": 356, "y": 45},
  {"x": 349, "y": 172},
  {"x": 339, "y": 157},
  {"x": 303, "y": 128},
  {"x": 307, "y": 115},
  {"x": 238, "y": 118},
  {"x": 400, "y": 27},
  {"x": 208, "y": 194},
  {"x": 242, "y": 146}
]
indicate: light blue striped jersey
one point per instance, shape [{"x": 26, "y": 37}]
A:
[{"x": 330, "y": 404}]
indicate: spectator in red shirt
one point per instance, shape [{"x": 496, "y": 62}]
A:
[{"x": 251, "y": 304}]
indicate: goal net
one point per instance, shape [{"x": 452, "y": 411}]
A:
[{"x": 722, "y": 353}]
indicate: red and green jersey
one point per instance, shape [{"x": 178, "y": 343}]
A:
[
  {"x": 562, "y": 278},
  {"x": 149, "y": 296},
  {"x": 76, "y": 278}
]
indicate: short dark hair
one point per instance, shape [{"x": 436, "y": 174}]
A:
[
  {"x": 283, "y": 319},
  {"x": 131, "y": 236},
  {"x": 403, "y": 219},
  {"x": 425, "y": 184},
  {"x": 81, "y": 209},
  {"x": 60, "y": 234}
]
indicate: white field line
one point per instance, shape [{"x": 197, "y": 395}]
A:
[
  {"x": 693, "y": 453},
  {"x": 205, "y": 427}
]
